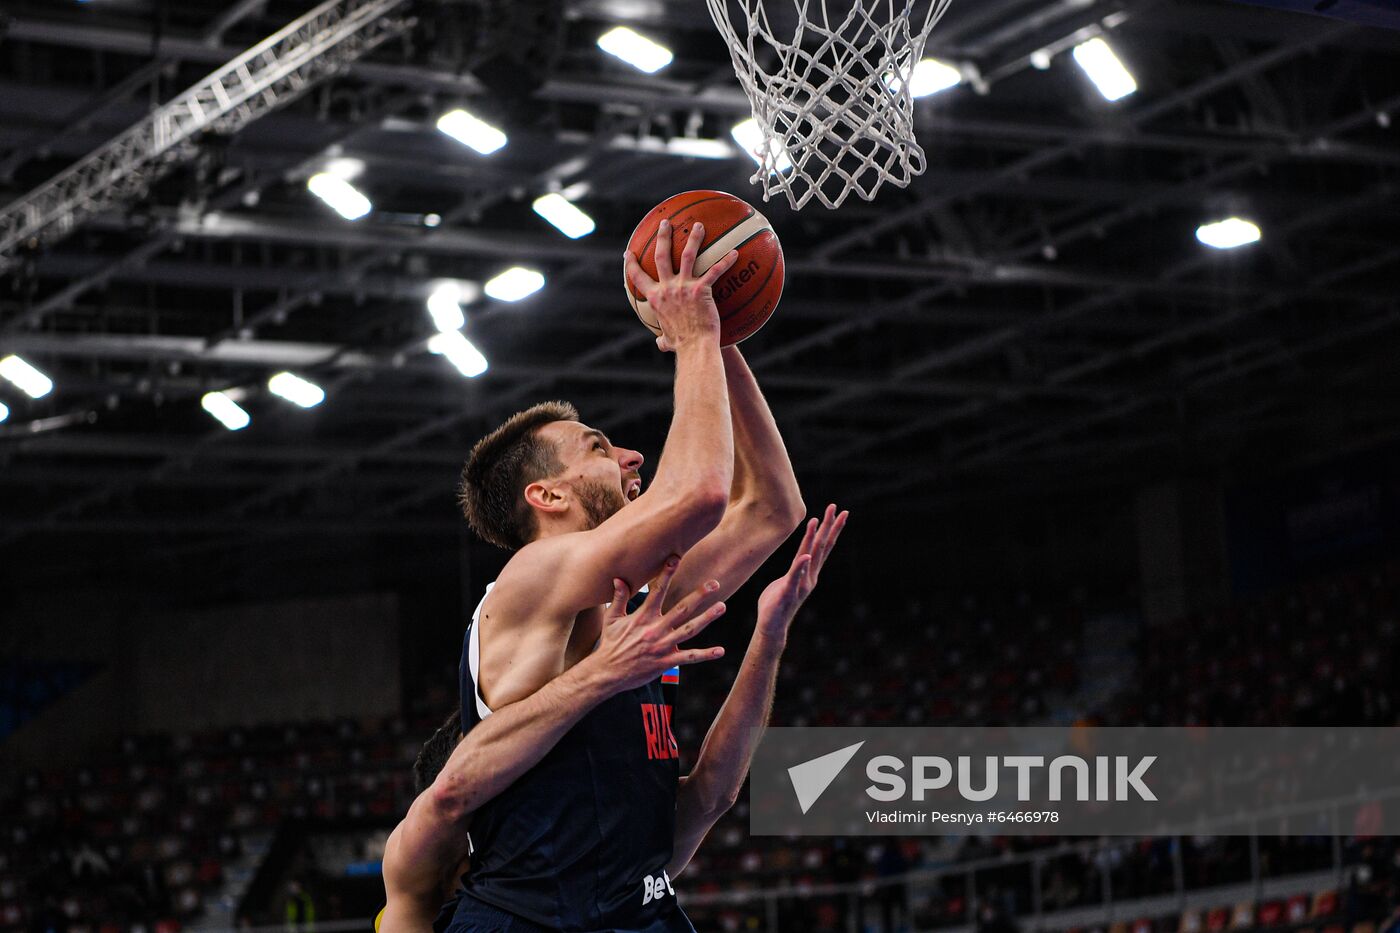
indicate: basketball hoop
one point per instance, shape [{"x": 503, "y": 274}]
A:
[{"x": 830, "y": 95}]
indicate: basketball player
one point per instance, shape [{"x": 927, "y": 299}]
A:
[
  {"x": 426, "y": 853},
  {"x": 424, "y": 856},
  {"x": 582, "y": 841}
]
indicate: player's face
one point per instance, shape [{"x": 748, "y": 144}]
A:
[{"x": 604, "y": 475}]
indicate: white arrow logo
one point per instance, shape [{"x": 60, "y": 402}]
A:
[{"x": 811, "y": 778}]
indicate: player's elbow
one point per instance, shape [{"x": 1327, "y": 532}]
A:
[
  {"x": 703, "y": 509},
  {"x": 789, "y": 512},
  {"x": 449, "y": 800},
  {"x": 772, "y": 519}
]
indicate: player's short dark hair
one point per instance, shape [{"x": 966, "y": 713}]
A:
[
  {"x": 433, "y": 758},
  {"x": 499, "y": 468}
]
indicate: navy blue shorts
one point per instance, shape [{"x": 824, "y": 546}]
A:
[{"x": 474, "y": 916}]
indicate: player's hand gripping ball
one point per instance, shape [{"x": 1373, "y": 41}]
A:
[{"x": 745, "y": 295}]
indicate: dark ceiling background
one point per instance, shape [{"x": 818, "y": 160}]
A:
[{"x": 1031, "y": 322}]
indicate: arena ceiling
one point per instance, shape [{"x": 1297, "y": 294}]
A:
[{"x": 1034, "y": 312}]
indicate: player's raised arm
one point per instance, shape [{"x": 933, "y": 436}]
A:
[
  {"x": 765, "y": 503},
  {"x": 687, "y": 499}
]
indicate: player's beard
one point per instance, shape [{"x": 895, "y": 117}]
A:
[{"x": 600, "y": 501}]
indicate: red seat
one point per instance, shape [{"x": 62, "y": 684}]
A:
[
  {"x": 1324, "y": 904},
  {"x": 1271, "y": 914}
]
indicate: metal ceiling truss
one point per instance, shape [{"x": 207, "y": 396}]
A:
[
  {"x": 985, "y": 254},
  {"x": 267, "y": 76}
]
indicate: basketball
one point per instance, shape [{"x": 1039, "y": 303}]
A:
[{"x": 749, "y": 292}]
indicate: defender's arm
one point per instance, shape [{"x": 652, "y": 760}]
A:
[{"x": 714, "y": 783}]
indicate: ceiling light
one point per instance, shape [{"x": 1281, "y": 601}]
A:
[
  {"x": 635, "y": 49},
  {"x": 1228, "y": 233},
  {"x": 342, "y": 196},
  {"x": 565, "y": 216},
  {"x": 229, "y": 413},
  {"x": 4, "y": 411},
  {"x": 1041, "y": 59},
  {"x": 345, "y": 168},
  {"x": 1104, "y": 69},
  {"x": 432, "y": 220},
  {"x": 514, "y": 284},
  {"x": 931, "y": 76},
  {"x": 460, "y": 352},
  {"x": 296, "y": 390},
  {"x": 444, "y": 305},
  {"x": 699, "y": 148},
  {"x": 29, "y": 380},
  {"x": 750, "y": 139},
  {"x": 471, "y": 131}
]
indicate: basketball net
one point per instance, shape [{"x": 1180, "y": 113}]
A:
[{"x": 831, "y": 101}]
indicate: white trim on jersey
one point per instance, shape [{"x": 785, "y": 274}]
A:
[{"x": 474, "y": 656}]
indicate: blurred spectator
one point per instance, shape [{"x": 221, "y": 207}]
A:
[{"x": 299, "y": 909}]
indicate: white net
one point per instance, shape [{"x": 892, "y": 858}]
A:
[{"x": 831, "y": 93}]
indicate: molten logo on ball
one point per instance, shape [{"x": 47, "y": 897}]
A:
[{"x": 731, "y": 283}]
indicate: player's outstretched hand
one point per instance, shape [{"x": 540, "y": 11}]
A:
[
  {"x": 639, "y": 647},
  {"x": 782, "y": 598},
  {"x": 684, "y": 303}
]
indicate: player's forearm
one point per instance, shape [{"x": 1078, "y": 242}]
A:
[
  {"x": 763, "y": 474},
  {"x": 728, "y": 749},
  {"x": 514, "y": 738},
  {"x": 697, "y": 464}
]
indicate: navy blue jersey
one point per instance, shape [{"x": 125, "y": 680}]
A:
[{"x": 579, "y": 842}]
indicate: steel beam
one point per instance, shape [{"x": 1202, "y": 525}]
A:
[{"x": 265, "y": 77}]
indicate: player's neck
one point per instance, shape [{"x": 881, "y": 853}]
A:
[{"x": 553, "y": 525}]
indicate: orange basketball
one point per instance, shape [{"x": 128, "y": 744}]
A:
[{"x": 748, "y": 292}]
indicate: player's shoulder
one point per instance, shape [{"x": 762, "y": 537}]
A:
[{"x": 527, "y": 585}]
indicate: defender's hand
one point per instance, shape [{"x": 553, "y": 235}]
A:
[
  {"x": 684, "y": 303},
  {"x": 640, "y": 647},
  {"x": 782, "y": 598}
]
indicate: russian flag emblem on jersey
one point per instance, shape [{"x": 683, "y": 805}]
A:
[{"x": 673, "y": 676}]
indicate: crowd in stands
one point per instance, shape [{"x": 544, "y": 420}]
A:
[
  {"x": 139, "y": 839},
  {"x": 1323, "y": 653}
]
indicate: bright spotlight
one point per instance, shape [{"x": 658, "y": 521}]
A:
[
  {"x": 1104, "y": 69},
  {"x": 750, "y": 139},
  {"x": 445, "y": 307},
  {"x": 635, "y": 49},
  {"x": 471, "y": 131},
  {"x": 4, "y": 411},
  {"x": 460, "y": 352},
  {"x": 345, "y": 168},
  {"x": 1228, "y": 233},
  {"x": 344, "y": 198},
  {"x": 29, "y": 380},
  {"x": 514, "y": 284},
  {"x": 564, "y": 215},
  {"x": 296, "y": 390},
  {"x": 228, "y": 412},
  {"x": 930, "y": 76}
]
